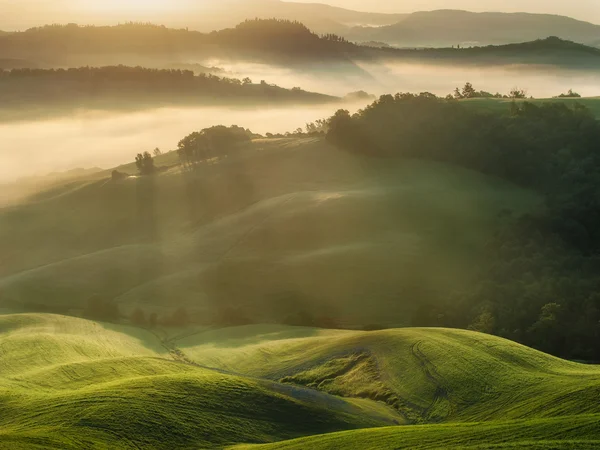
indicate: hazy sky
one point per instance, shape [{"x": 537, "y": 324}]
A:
[
  {"x": 19, "y": 14},
  {"x": 588, "y": 10}
]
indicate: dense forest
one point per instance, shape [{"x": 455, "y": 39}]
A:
[
  {"x": 541, "y": 283},
  {"x": 34, "y": 87},
  {"x": 278, "y": 39}
]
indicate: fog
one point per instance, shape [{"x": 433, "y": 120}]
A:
[
  {"x": 105, "y": 139},
  {"x": 392, "y": 76},
  {"x": 109, "y": 139}
]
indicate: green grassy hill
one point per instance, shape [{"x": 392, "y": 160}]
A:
[
  {"x": 280, "y": 226},
  {"x": 70, "y": 383},
  {"x": 579, "y": 433},
  {"x": 429, "y": 375}
]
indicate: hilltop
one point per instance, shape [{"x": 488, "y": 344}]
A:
[{"x": 445, "y": 28}]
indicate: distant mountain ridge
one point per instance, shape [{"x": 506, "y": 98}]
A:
[
  {"x": 454, "y": 27},
  {"x": 266, "y": 41},
  {"x": 437, "y": 28},
  {"x": 203, "y": 16}
]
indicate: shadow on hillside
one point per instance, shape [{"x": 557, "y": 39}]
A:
[{"x": 252, "y": 335}]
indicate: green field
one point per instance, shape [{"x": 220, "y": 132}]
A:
[
  {"x": 256, "y": 230},
  {"x": 71, "y": 383},
  {"x": 261, "y": 230}
]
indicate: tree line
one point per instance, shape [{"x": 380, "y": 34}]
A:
[
  {"x": 540, "y": 285},
  {"x": 19, "y": 86}
]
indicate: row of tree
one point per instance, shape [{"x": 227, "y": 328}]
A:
[
  {"x": 123, "y": 83},
  {"x": 541, "y": 281},
  {"x": 468, "y": 91}
]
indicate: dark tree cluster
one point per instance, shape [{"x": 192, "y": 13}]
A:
[
  {"x": 570, "y": 94},
  {"x": 541, "y": 283},
  {"x": 468, "y": 91},
  {"x": 124, "y": 83},
  {"x": 145, "y": 164},
  {"x": 218, "y": 141},
  {"x": 98, "y": 308}
]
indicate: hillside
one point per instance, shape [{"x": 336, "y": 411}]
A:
[
  {"x": 281, "y": 43},
  {"x": 38, "y": 92},
  {"x": 445, "y": 28},
  {"x": 205, "y": 17},
  {"x": 429, "y": 375},
  {"x": 579, "y": 432},
  {"x": 551, "y": 51},
  {"x": 137, "y": 44},
  {"x": 260, "y": 232},
  {"x": 438, "y": 28},
  {"x": 70, "y": 383}
]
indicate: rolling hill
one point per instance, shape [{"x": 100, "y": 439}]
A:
[
  {"x": 418, "y": 29},
  {"x": 429, "y": 375},
  {"x": 68, "y": 383},
  {"x": 275, "y": 42},
  {"x": 579, "y": 432},
  {"x": 271, "y": 231},
  {"x": 445, "y": 28},
  {"x": 36, "y": 93},
  {"x": 259, "y": 230},
  {"x": 205, "y": 17}
]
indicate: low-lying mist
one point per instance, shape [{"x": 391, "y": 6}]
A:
[
  {"x": 105, "y": 139},
  {"x": 391, "y": 76}
]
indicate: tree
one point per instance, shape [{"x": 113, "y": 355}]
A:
[
  {"x": 98, "y": 308},
  {"x": 201, "y": 146},
  {"x": 179, "y": 318},
  {"x": 157, "y": 152},
  {"x": 246, "y": 81},
  {"x": 138, "y": 317},
  {"x": 468, "y": 91},
  {"x": 484, "y": 323},
  {"x": 145, "y": 163},
  {"x": 570, "y": 94},
  {"x": 546, "y": 330},
  {"x": 517, "y": 93}
]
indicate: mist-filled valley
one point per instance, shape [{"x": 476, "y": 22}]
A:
[
  {"x": 105, "y": 133},
  {"x": 107, "y": 139},
  {"x": 257, "y": 224}
]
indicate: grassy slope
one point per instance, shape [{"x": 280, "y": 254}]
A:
[
  {"x": 488, "y": 392},
  {"x": 258, "y": 225},
  {"x": 431, "y": 375},
  {"x": 581, "y": 432},
  {"x": 71, "y": 383}
]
